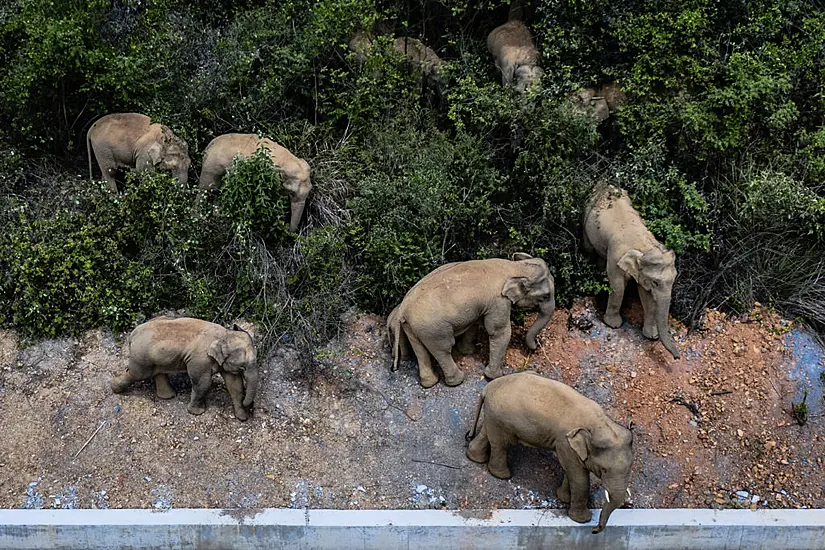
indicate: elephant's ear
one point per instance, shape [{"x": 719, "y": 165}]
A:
[
  {"x": 579, "y": 440},
  {"x": 514, "y": 288},
  {"x": 519, "y": 256},
  {"x": 219, "y": 351},
  {"x": 629, "y": 263},
  {"x": 154, "y": 152}
]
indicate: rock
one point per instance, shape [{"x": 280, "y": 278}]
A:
[{"x": 742, "y": 494}]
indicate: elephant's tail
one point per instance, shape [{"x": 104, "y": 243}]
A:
[
  {"x": 472, "y": 433},
  {"x": 396, "y": 343}
]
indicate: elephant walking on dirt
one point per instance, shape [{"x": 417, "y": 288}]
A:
[
  {"x": 164, "y": 346},
  {"x": 535, "y": 411},
  {"x": 131, "y": 140},
  {"x": 614, "y": 229},
  {"x": 451, "y": 301},
  {"x": 220, "y": 152}
]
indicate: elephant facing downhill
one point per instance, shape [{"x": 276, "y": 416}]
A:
[
  {"x": 164, "y": 346},
  {"x": 454, "y": 299},
  {"x": 131, "y": 140},
  {"x": 614, "y": 229},
  {"x": 535, "y": 411},
  {"x": 515, "y": 54},
  {"x": 220, "y": 152}
]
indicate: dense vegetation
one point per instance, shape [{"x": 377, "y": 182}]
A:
[{"x": 721, "y": 145}]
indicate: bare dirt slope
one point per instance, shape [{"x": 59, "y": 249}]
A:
[{"x": 711, "y": 429}]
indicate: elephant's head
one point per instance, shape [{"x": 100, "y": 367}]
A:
[
  {"x": 607, "y": 451},
  {"x": 171, "y": 154},
  {"x": 590, "y": 101},
  {"x": 533, "y": 286},
  {"x": 296, "y": 181},
  {"x": 235, "y": 352},
  {"x": 525, "y": 76},
  {"x": 655, "y": 270}
]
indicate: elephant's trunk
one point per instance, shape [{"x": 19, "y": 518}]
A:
[
  {"x": 297, "y": 212},
  {"x": 545, "y": 313},
  {"x": 251, "y": 378},
  {"x": 663, "y": 307},
  {"x": 617, "y": 489}
]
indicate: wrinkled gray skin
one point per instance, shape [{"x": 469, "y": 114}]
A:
[
  {"x": 515, "y": 55},
  {"x": 601, "y": 103},
  {"x": 131, "y": 140},
  {"x": 218, "y": 156},
  {"x": 164, "y": 346},
  {"x": 532, "y": 410},
  {"x": 615, "y": 231},
  {"x": 453, "y": 300}
]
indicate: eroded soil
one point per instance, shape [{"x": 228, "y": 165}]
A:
[{"x": 712, "y": 429}]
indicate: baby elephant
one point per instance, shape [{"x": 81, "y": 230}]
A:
[
  {"x": 164, "y": 346},
  {"x": 538, "y": 412},
  {"x": 220, "y": 152},
  {"x": 516, "y": 55},
  {"x": 452, "y": 300}
]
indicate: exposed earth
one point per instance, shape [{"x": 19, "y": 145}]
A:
[{"x": 712, "y": 429}]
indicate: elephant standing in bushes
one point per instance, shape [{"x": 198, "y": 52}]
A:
[
  {"x": 614, "y": 229},
  {"x": 218, "y": 156},
  {"x": 131, "y": 140},
  {"x": 535, "y": 411},
  {"x": 451, "y": 301},
  {"x": 515, "y": 54},
  {"x": 164, "y": 346},
  {"x": 599, "y": 103},
  {"x": 419, "y": 56}
]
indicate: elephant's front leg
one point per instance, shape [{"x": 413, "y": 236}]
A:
[
  {"x": 579, "y": 484},
  {"x": 563, "y": 492},
  {"x": 612, "y": 315},
  {"x": 650, "y": 330},
  {"x": 200, "y": 386},
  {"x": 499, "y": 330},
  {"x": 234, "y": 385}
]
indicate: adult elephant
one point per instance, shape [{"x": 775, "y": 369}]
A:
[
  {"x": 452, "y": 300},
  {"x": 533, "y": 410},
  {"x": 162, "y": 346},
  {"x": 515, "y": 55},
  {"x": 615, "y": 231},
  {"x": 132, "y": 140},
  {"x": 220, "y": 152}
]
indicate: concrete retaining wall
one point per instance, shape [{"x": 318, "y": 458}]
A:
[{"x": 409, "y": 529}]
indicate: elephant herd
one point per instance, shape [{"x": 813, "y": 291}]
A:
[
  {"x": 132, "y": 140},
  {"x": 443, "y": 311},
  {"x": 441, "y": 314}
]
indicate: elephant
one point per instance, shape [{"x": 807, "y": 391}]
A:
[
  {"x": 454, "y": 299},
  {"x": 417, "y": 54},
  {"x": 538, "y": 412},
  {"x": 220, "y": 152},
  {"x": 515, "y": 54},
  {"x": 132, "y": 140},
  {"x": 164, "y": 345},
  {"x": 616, "y": 232},
  {"x": 599, "y": 103}
]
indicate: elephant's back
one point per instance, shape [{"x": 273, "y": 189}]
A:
[
  {"x": 513, "y": 34},
  {"x": 119, "y": 122}
]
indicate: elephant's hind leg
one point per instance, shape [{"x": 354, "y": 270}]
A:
[
  {"x": 479, "y": 448},
  {"x": 467, "y": 341},
  {"x": 499, "y": 443},
  {"x": 427, "y": 375},
  {"x": 163, "y": 388},
  {"x": 200, "y": 385},
  {"x": 442, "y": 352},
  {"x": 134, "y": 372}
]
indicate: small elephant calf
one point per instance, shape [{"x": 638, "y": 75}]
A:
[
  {"x": 515, "y": 54},
  {"x": 539, "y": 412},
  {"x": 163, "y": 346}
]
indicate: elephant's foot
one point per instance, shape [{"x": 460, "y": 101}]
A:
[
  {"x": 480, "y": 453},
  {"x": 613, "y": 320},
  {"x": 499, "y": 472},
  {"x": 580, "y": 514},
  {"x": 492, "y": 372},
  {"x": 163, "y": 389},
  {"x": 428, "y": 380},
  {"x": 454, "y": 379},
  {"x": 120, "y": 384},
  {"x": 241, "y": 415},
  {"x": 651, "y": 332},
  {"x": 195, "y": 408}
]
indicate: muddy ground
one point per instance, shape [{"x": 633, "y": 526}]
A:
[{"x": 712, "y": 429}]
